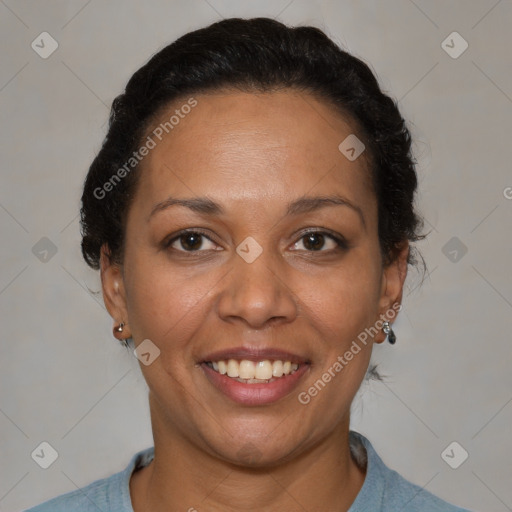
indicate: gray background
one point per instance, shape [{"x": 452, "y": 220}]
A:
[{"x": 66, "y": 381}]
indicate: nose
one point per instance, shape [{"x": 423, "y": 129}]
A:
[{"x": 257, "y": 294}]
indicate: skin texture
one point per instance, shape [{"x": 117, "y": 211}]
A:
[{"x": 253, "y": 154}]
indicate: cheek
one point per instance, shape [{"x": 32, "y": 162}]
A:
[
  {"x": 164, "y": 304},
  {"x": 345, "y": 301},
  {"x": 340, "y": 310}
]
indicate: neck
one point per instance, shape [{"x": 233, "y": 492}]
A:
[{"x": 184, "y": 477}]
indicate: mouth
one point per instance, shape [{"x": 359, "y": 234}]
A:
[
  {"x": 254, "y": 377},
  {"x": 250, "y": 372}
]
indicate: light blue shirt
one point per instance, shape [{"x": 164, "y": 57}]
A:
[{"x": 384, "y": 490}]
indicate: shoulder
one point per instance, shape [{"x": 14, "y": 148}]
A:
[
  {"x": 384, "y": 490},
  {"x": 401, "y": 492},
  {"x": 91, "y": 498},
  {"x": 107, "y": 494}
]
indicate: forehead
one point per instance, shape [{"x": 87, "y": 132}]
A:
[{"x": 251, "y": 146}]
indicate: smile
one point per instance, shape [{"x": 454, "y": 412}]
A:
[
  {"x": 253, "y": 372},
  {"x": 254, "y": 376}
]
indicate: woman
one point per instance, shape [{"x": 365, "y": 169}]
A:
[{"x": 251, "y": 213}]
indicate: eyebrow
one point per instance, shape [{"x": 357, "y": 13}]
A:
[
  {"x": 308, "y": 204},
  {"x": 302, "y": 205},
  {"x": 196, "y": 204}
]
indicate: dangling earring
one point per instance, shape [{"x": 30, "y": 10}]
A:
[
  {"x": 120, "y": 328},
  {"x": 388, "y": 331}
]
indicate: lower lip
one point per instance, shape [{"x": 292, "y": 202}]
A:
[{"x": 255, "y": 394}]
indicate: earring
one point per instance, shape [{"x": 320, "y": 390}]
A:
[
  {"x": 388, "y": 331},
  {"x": 120, "y": 328}
]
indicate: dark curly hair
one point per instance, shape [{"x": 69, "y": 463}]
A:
[{"x": 253, "y": 55}]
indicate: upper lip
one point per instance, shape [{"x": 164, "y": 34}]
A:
[{"x": 254, "y": 354}]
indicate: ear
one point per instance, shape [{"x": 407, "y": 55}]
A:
[
  {"x": 393, "y": 278},
  {"x": 114, "y": 295}
]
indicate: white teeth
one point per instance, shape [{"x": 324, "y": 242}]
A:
[
  {"x": 254, "y": 372},
  {"x": 277, "y": 369},
  {"x": 233, "y": 368},
  {"x": 222, "y": 367},
  {"x": 263, "y": 370},
  {"x": 246, "y": 369}
]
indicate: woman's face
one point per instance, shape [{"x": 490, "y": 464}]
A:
[{"x": 280, "y": 264}]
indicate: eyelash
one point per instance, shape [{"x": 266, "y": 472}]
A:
[
  {"x": 195, "y": 231},
  {"x": 341, "y": 243}
]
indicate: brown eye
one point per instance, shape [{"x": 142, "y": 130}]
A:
[
  {"x": 314, "y": 241},
  {"x": 318, "y": 241},
  {"x": 191, "y": 241}
]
